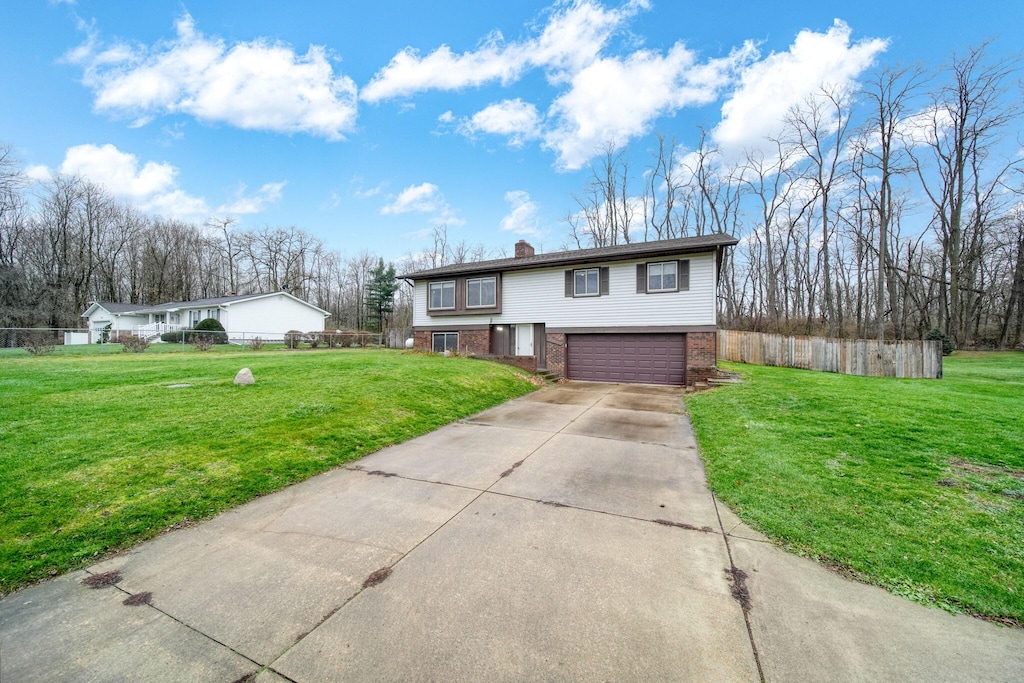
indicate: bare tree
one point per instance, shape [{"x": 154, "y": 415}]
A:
[
  {"x": 968, "y": 115},
  {"x": 881, "y": 162},
  {"x": 819, "y": 129}
]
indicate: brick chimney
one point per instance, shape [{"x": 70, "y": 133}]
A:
[{"x": 523, "y": 249}]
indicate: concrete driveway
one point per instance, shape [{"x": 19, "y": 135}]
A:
[{"x": 566, "y": 535}]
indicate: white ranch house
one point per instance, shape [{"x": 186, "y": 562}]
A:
[{"x": 269, "y": 316}]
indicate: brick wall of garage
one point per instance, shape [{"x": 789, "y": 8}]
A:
[{"x": 701, "y": 354}]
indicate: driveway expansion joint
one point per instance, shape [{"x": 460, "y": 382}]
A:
[
  {"x": 739, "y": 590},
  {"x": 185, "y": 624}
]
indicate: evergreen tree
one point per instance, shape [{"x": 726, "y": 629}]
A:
[{"x": 380, "y": 296}]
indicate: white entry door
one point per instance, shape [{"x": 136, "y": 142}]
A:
[{"x": 524, "y": 340}]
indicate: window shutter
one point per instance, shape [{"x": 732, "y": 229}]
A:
[
  {"x": 641, "y": 278},
  {"x": 683, "y": 278},
  {"x": 568, "y": 283},
  {"x": 603, "y": 277}
]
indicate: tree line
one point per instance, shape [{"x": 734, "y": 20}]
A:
[
  {"x": 69, "y": 242},
  {"x": 882, "y": 212},
  {"x": 76, "y": 243}
]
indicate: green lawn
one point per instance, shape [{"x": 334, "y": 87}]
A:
[
  {"x": 915, "y": 485},
  {"x": 97, "y": 453}
]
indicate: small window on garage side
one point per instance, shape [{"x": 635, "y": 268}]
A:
[
  {"x": 445, "y": 341},
  {"x": 481, "y": 292},
  {"x": 662, "y": 277},
  {"x": 587, "y": 282},
  {"x": 441, "y": 295}
]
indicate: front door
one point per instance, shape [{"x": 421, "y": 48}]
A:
[{"x": 524, "y": 340}]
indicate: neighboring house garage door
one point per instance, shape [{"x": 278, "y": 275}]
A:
[{"x": 640, "y": 358}]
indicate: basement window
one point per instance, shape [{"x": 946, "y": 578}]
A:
[{"x": 445, "y": 341}]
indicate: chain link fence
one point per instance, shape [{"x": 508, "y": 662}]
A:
[{"x": 40, "y": 341}]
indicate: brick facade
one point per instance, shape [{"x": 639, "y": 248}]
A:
[
  {"x": 556, "y": 354},
  {"x": 421, "y": 340},
  {"x": 471, "y": 342},
  {"x": 701, "y": 354},
  {"x": 528, "y": 363}
]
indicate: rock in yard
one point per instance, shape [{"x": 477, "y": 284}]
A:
[{"x": 244, "y": 376}]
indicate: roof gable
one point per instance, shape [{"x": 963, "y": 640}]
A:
[{"x": 113, "y": 308}]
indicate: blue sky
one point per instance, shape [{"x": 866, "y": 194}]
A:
[{"x": 368, "y": 123}]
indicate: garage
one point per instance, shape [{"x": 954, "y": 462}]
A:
[{"x": 630, "y": 358}]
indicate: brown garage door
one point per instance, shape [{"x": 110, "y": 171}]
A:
[{"x": 640, "y": 358}]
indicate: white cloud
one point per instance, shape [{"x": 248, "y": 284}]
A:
[
  {"x": 118, "y": 171},
  {"x": 573, "y": 37},
  {"x": 604, "y": 98},
  {"x": 923, "y": 127},
  {"x": 522, "y": 219},
  {"x": 614, "y": 99},
  {"x": 422, "y": 198},
  {"x": 256, "y": 85},
  {"x": 366, "y": 193},
  {"x": 269, "y": 193},
  {"x": 151, "y": 186},
  {"x": 769, "y": 88},
  {"x": 38, "y": 173},
  {"x": 517, "y": 120}
]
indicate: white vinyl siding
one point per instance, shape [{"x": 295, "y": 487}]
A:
[
  {"x": 270, "y": 316},
  {"x": 539, "y": 296}
]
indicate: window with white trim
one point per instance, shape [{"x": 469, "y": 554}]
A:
[
  {"x": 481, "y": 292},
  {"x": 445, "y": 341},
  {"x": 662, "y": 277},
  {"x": 587, "y": 282},
  {"x": 441, "y": 296}
]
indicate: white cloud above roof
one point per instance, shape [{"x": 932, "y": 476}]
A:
[
  {"x": 616, "y": 99},
  {"x": 151, "y": 185},
  {"x": 767, "y": 89},
  {"x": 573, "y": 36},
  {"x": 254, "y": 85},
  {"x": 422, "y": 198},
  {"x": 522, "y": 218}
]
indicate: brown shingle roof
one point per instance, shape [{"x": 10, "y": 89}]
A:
[{"x": 619, "y": 252}]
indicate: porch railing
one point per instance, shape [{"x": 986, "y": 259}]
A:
[{"x": 154, "y": 330}]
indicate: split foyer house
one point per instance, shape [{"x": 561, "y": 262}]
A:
[
  {"x": 243, "y": 316},
  {"x": 641, "y": 312}
]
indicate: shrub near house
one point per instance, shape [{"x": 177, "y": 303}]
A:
[{"x": 208, "y": 329}]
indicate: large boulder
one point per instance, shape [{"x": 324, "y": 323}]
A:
[{"x": 244, "y": 376}]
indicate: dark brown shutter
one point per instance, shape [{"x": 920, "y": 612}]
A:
[
  {"x": 683, "y": 280},
  {"x": 568, "y": 283},
  {"x": 603, "y": 277},
  {"x": 641, "y": 278}
]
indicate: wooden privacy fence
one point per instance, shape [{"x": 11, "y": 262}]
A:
[{"x": 913, "y": 359}]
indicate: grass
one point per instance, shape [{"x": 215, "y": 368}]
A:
[
  {"x": 914, "y": 485},
  {"x": 97, "y": 453}
]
